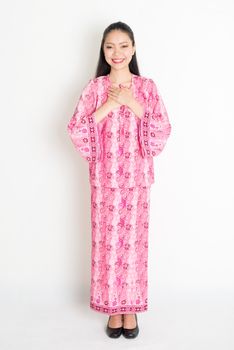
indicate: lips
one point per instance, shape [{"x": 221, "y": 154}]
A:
[{"x": 117, "y": 60}]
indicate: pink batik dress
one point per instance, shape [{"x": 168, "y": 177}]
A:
[{"x": 119, "y": 150}]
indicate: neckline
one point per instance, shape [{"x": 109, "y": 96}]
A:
[{"x": 132, "y": 77}]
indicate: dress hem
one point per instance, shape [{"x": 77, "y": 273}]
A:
[{"x": 119, "y": 309}]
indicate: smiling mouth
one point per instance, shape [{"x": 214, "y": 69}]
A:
[{"x": 118, "y": 61}]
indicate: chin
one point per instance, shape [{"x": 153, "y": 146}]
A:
[{"x": 118, "y": 67}]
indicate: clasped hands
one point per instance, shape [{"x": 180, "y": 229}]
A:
[{"x": 121, "y": 95}]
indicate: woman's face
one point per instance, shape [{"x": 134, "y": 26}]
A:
[{"x": 118, "y": 49}]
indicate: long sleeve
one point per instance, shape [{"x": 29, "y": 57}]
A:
[
  {"x": 155, "y": 127},
  {"x": 82, "y": 127}
]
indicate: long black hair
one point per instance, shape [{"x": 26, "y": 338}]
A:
[{"x": 103, "y": 68}]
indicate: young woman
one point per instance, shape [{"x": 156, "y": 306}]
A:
[{"x": 119, "y": 124}]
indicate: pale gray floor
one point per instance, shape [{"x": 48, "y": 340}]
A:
[{"x": 192, "y": 322}]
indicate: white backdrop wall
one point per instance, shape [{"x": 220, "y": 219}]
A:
[{"x": 49, "y": 50}]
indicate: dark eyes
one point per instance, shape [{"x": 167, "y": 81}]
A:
[{"x": 109, "y": 47}]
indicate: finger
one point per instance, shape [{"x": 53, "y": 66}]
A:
[
  {"x": 113, "y": 95},
  {"x": 113, "y": 92},
  {"x": 113, "y": 89},
  {"x": 113, "y": 98}
]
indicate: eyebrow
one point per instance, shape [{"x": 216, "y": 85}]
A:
[{"x": 119, "y": 43}]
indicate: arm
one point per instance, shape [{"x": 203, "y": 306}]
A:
[
  {"x": 136, "y": 107},
  {"x": 103, "y": 110},
  {"x": 155, "y": 127},
  {"x": 82, "y": 127}
]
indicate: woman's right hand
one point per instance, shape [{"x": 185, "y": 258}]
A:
[
  {"x": 112, "y": 103},
  {"x": 107, "y": 107}
]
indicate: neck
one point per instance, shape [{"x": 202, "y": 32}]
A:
[{"x": 120, "y": 77}]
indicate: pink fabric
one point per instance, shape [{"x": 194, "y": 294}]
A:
[
  {"x": 120, "y": 148},
  {"x": 119, "y": 273},
  {"x": 120, "y": 151}
]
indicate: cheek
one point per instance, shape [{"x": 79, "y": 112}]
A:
[
  {"x": 128, "y": 54},
  {"x": 108, "y": 57},
  {"x": 108, "y": 52}
]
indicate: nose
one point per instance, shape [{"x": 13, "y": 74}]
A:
[{"x": 116, "y": 53}]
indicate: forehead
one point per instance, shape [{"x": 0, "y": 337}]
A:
[{"x": 117, "y": 37}]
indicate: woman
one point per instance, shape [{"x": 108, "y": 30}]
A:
[{"x": 119, "y": 124}]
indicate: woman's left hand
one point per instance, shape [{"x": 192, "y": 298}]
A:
[{"x": 122, "y": 95}]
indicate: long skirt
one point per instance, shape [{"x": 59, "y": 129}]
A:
[{"x": 119, "y": 253}]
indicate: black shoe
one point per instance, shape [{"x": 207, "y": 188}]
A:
[
  {"x": 113, "y": 332},
  {"x": 131, "y": 333}
]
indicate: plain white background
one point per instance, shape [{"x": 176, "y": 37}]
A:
[{"x": 49, "y": 50}]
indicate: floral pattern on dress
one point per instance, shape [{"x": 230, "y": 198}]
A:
[{"x": 120, "y": 148}]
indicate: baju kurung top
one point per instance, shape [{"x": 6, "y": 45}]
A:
[{"x": 120, "y": 148}]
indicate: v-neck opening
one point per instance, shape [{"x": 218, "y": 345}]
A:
[{"x": 131, "y": 84}]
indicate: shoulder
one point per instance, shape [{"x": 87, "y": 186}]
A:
[
  {"x": 91, "y": 85},
  {"x": 100, "y": 78},
  {"x": 146, "y": 84},
  {"x": 96, "y": 83},
  {"x": 146, "y": 81}
]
